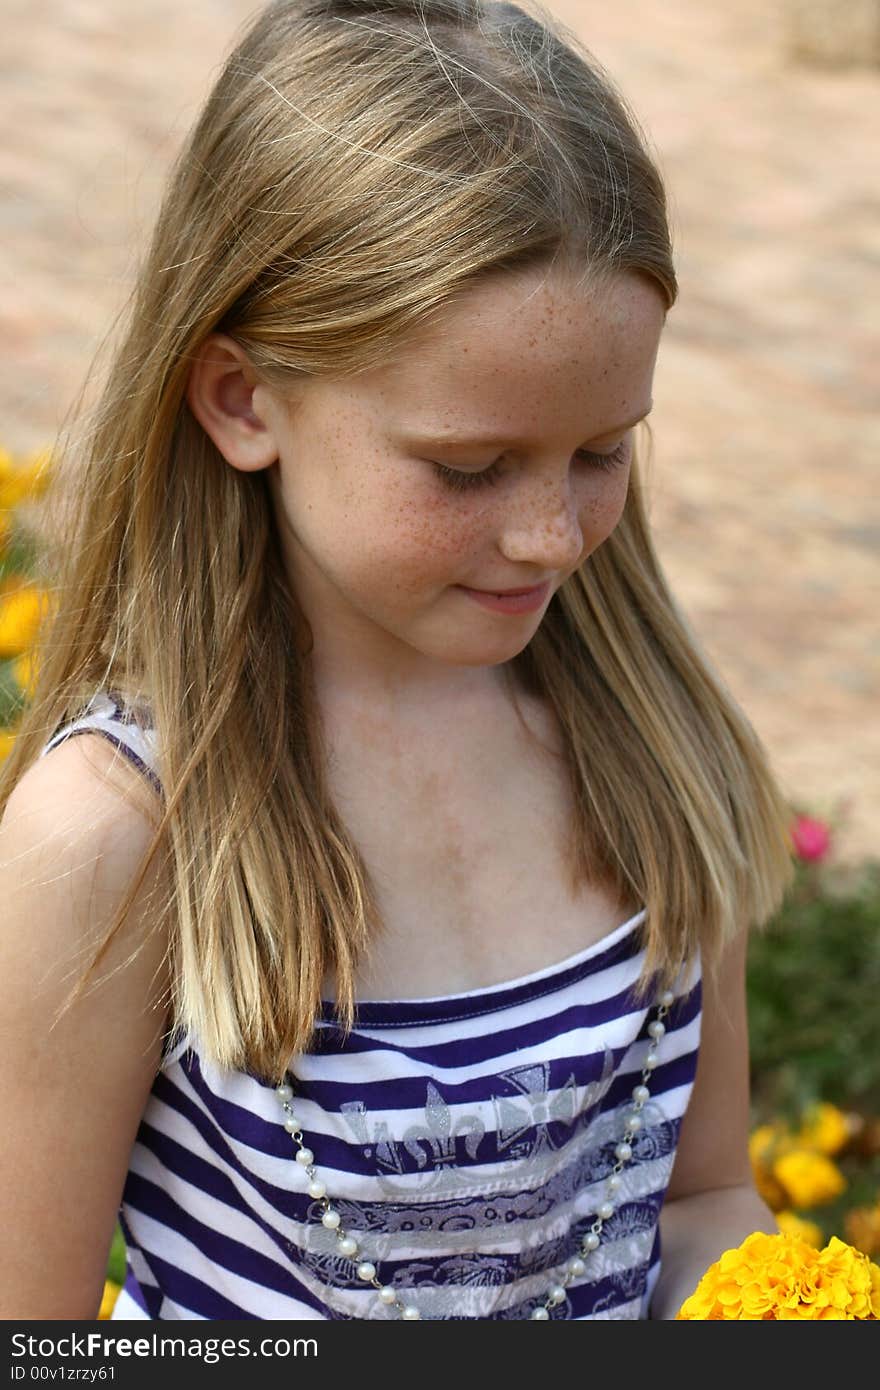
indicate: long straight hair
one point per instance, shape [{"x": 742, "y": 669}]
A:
[{"x": 359, "y": 165}]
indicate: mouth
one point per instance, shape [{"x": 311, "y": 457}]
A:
[
  {"x": 510, "y": 600},
  {"x": 512, "y": 593}
]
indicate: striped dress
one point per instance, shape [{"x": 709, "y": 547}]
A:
[{"x": 466, "y": 1141}]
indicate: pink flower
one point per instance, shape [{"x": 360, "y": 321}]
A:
[{"x": 811, "y": 838}]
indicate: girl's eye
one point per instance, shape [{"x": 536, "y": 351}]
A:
[{"x": 459, "y": 481}]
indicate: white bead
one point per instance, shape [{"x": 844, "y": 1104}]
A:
[
  {"x": 575, "y": 1267},
  {"x": 667, "y": 999},
  {"x": 291, "y": 1124},
  {"x": 623, "y": 1152},
  {"x": 641, "y": 1094},
  {"x": 304, "y": 1156},
  {"x": 348, "y": 1246},
  {"x": 317, "y": 1188},
  {"x": 366, "y": 1271},
  {"x": 540, "y": 1315},
  {"x": 557, "y": 1294},
  {"x": 634, "y": 1121},
  {"x": 411, "y": 1313},
  {"x": 656, "y": 1029},
  {"x": 387, "y": 1294},
  {"x": 331, "y": 1219},
  {"x": 613, "y": 1183},
  {"x": 650, "y": 1061},
  {"x": 605, "y": 1209},
  {"x": 591, "y": 1241},
  {"x": 284, "y": 1092}
]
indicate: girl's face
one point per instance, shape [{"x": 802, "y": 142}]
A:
[{"x": 386, "y": 519}]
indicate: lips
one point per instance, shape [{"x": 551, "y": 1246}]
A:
[
  {"x": 511, "y": 593},
  {"x": 517, "y": 601}
]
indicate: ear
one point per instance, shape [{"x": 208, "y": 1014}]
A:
[{"x": 220, "y": 393}]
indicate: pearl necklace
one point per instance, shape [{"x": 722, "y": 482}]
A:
[{"x": 573, "y": 1268}]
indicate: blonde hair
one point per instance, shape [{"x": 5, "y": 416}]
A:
[{"x": 302, "y": 218}]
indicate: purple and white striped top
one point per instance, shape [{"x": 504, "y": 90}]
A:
[{"x": 465, "y": 1141}]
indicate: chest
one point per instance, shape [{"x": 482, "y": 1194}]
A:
[{"x": 466, "y": 844}]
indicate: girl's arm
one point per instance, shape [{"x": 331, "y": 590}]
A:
[
  {"x": 70, "y": 1099},
  {"x": 711, "y": 1204}
]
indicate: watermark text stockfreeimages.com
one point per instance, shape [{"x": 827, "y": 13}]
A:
[{"x": 97, "y": 1345}]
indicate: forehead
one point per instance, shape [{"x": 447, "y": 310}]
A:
[{"x": 519, "y": 350}]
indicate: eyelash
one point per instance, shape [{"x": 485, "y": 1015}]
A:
[{"x": 459, "y": 481}]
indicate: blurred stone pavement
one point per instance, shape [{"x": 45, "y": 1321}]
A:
[{"x": 765, "y": 497}]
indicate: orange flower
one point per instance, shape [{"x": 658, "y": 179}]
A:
[
  {"x": 782, "y": 1278},
  {"x": 866, "y": 1140},
  {"x": 862, "y": 1225}
]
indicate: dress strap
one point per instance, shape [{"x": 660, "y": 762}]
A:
[{"x": 128, "y": 727}]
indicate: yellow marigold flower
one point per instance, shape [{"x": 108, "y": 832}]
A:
[
  {"x": 862, "y": 1226},
  {"x": 764, "y": 1142},
  {"x": 37, "y": 468},
  {"x": 761, "y": 1142},
  {"x": 7, "y": 738},
  {"x": 793, "y": 1225},
  {"x": 854, "y": 1281},
  {"x": 22, "y": 609},
  {"x": 809, "y": 1178},
  {"x": 111, "y": 1293},
  {"x": 769, "y": 1190},
  {"x": 782, "y": 1278},
  {"x": 24, "y": 669},
  {"x": 23, "y": 480},
  {"x": 823, "y": 1127}
]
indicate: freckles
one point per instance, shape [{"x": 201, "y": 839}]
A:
[
  {"x": 607, "y": 507},
  {"x": 437, "y": 533},
  {"x": 418, "y": 538},
  {"x": 602, "y": 508}
]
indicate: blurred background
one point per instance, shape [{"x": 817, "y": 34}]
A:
[{"x": 763, "y": 117}]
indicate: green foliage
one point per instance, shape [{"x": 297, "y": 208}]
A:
[
  {"x": 11, "y": 696},
  {"x": 116, "y": 1258},
  {"x": 813, "y": 991},
  {"x": 18, "y": 554}
]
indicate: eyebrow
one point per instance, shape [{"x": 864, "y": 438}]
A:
[{"x": 452, "y": 439}]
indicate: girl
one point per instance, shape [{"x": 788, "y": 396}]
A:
[{"x": 369, "y": 755}]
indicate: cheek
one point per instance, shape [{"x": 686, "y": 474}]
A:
[
  {"x": 603, "y": 509},
  {"x": 425, "y": 533},
  {"x": 403, "y": 537}
]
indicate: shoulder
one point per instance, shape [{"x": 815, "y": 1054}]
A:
[
  {"x": 76, "y": 1075},
  {"x": 74, "y": 833}
]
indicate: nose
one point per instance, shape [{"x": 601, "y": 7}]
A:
[{"x": 543, "y": 525}]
